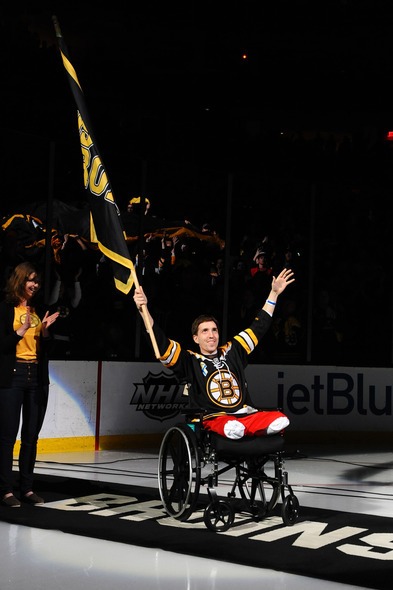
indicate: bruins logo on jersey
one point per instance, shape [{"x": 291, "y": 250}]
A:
[{"x": 223, "y": 389}]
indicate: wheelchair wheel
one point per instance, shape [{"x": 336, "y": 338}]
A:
[
  {"x": 218, "y": 516},
  {"x": 179, "y": 471},
  {"x": 260, "y": 496},
  {"x": 290, "y": 510}
]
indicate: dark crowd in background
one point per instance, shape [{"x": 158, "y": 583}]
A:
[{"x": 334, "y": 232}]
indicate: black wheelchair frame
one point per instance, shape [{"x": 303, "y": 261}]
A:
[{"x": 188, "y": 450}]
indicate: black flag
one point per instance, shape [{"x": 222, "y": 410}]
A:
[{"x": 106, "y": 228}]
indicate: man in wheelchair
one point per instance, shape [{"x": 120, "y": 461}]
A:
[
  {"x": 217, "y": 373},
  {"x": 218, "y": 388}
]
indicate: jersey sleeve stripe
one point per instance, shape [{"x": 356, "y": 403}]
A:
[
  {"x": 247, "y": 339},
  {"x": 171, "y": 354}
]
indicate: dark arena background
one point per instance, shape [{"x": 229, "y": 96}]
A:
[{"x": 270, "y": 128}]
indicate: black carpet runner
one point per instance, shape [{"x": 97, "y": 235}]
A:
[{"x": 337, "y": 546}]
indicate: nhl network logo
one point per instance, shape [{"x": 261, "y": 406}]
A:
[{"x": 159, "y": 397}]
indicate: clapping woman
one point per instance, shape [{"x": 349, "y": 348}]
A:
[{"x": 24, "y": 381}]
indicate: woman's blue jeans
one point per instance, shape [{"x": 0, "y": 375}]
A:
[{"x": 25, "y": 400}]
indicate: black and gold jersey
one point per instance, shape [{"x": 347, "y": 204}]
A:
[{"x": 217, "y": 383}]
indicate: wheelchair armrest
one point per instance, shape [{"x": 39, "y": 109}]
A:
[{"x": 193, "y": 414}]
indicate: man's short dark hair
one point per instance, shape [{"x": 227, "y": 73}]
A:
[{"x": 199, "y": 320}]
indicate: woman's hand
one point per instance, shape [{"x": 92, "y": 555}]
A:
[
  {"x": 48, "y": 320},
  {"x": 26, "y": 324}
]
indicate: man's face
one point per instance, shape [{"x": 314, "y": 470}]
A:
[{"x": 207, "y": 337}]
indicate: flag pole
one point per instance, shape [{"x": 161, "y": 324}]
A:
[{"x": 146, "y": 319}]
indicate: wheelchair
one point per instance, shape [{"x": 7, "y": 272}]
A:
[{"x": 191, "y": 457}]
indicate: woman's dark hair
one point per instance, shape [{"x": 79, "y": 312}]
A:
[
  {"x": 199, "y": 320},
  {"x": 15, "y": 287}
]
